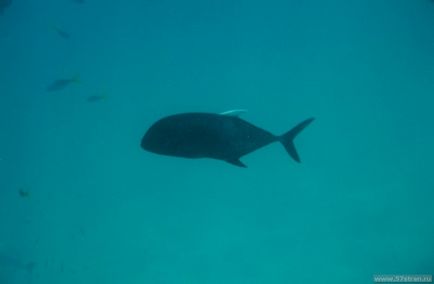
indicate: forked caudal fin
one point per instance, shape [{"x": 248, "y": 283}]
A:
[{"x": 287, "y": 139}]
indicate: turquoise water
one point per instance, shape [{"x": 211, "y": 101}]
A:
[{"x": 81, "y": 202}]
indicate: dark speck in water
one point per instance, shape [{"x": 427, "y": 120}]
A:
[
  {"x": 96, "y": 98},
  {"x": 23, "y": 193}
]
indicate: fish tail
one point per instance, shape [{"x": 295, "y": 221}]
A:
[{"x": 287, "y": 139}]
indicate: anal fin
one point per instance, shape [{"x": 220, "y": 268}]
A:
[{"x": 237, "y": 162}]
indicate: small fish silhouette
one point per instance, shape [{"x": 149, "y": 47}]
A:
[
  {"x": 61, "y": 32},
  {"x": 96, "y": 98},
  {"x": 23, "y": 193},
  {"x": 61, "y": 84}
]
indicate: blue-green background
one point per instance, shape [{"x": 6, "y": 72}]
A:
[{"x": 101, "y": 210}]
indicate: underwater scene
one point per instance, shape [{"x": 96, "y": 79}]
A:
[{"x": 216, "y": 141}]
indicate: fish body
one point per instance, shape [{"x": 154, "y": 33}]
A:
[
  {"x": 224, "y": 137},
  {"x": 61, "y": 32},
  {"x": 61, "y": 84},
  {"x": 23, "y": 193},
  {"x": 96, "y": 98}
]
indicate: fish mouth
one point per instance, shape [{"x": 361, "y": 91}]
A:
[
  {"x": 146, "y": 143},
  {"x": 143, "y": 143}
]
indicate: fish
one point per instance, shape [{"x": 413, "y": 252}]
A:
[
  {"x": 60, "y": 84},
  {"x": 223, "y": 136},
  {"x": 23, "y": 193},
  {"x": 96, "y": 98},
  {"x": 61, "y": 32}
]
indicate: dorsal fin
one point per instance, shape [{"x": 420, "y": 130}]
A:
[{"x": 234, "y": 112}]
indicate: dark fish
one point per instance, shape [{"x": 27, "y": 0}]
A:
[
  {"x": 61, "y": 32},
  {"x": 4, "y": 4},
  {"x": 96, "y": 98},
  {"x": 218, "y": 136},
  {"x": 23, "y": 193},
  {"x": 61, "y": 84}
]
